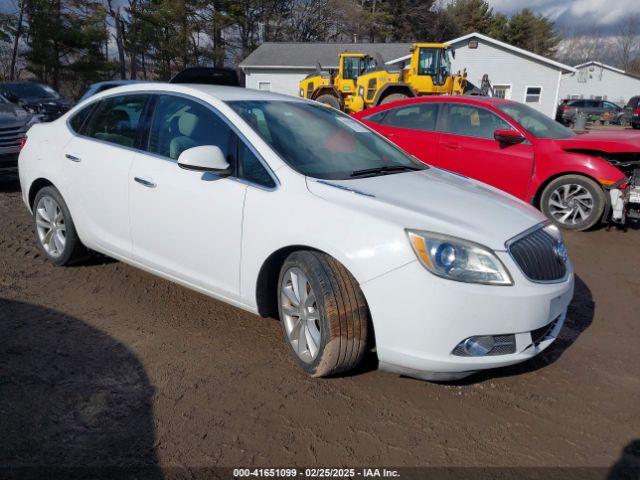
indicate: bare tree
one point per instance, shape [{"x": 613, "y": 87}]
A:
[{"x": 627, "y": 42}]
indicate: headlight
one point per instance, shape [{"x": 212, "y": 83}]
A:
[
  {"x": 361, "y": 91},
  {"x": 302, "y": 92},
  {"x": 457, "y": 259}
]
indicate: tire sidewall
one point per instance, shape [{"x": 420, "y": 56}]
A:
[
  {"x": 71, "y": 238},
  {"x": 302, "y": 261},
  {"x": 596, "y": 192},
  {"x": 329, "y": 100}
]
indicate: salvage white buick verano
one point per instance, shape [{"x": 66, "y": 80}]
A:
[{"x": 288, "y": 208}]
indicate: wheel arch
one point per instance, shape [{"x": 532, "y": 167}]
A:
[
  {"x": 37, "y": 185},
  {"x": 390, "y": 89}
]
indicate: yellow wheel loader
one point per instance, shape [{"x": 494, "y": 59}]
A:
[
  {"x": 337, "y": 90},
  {"x": 371, "y": 84}
]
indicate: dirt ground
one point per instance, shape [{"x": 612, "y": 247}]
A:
[{"x": 102, "y": 364}]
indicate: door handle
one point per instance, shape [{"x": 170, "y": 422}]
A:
[
  {"x": 145, "y": 182},
  {"x": 73, "y": 158},
  {"x": 452, "y": 146},
  {"x": 389, "y": 135}
]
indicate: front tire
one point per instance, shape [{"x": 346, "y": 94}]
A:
[
  {"x": 329, "y": 100},
  {"x": 323, "y": 313},
  {"x": 394, "y": 97},
  {"x": 573, "y": 202},
  {"x": 55, "y": 232},
  {"x": 636, "y": 126}
]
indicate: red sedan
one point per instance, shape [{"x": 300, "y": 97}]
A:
[{"x": 576, "y": 180}]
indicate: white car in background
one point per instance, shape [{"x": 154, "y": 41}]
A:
[{"x": 288, "y": 208}]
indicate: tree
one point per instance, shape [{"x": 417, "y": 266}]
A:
[
  {"x": 627, "y": 43},
  {"x": 472, "y": 16},
  {"x": 532, "y": 32}
]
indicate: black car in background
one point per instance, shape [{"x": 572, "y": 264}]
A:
[
  {"x": 14, "y": 123},
  {"x": 36, "y": 98},
  {"x": 567, "y": 110}
]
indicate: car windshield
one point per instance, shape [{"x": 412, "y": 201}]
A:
[
  {"x": 28, "y": 90},
  {"x": 321, "y": 142},
  {"x": 534, "y": 122}
]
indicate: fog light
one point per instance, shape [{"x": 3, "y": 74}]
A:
[{"x": 478, "y": 346}]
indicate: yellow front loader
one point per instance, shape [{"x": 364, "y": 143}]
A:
[
  {"x": 364, "y": 82},
  {"x": 337, "y": 90}
]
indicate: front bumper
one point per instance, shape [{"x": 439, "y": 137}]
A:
[{"x": 419, "y": 319}]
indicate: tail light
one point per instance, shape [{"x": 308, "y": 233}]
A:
[
  {"x": 636, "y": 111},
  {"x": 565, "y": 108},
  {"x": 23, "y": 142}
]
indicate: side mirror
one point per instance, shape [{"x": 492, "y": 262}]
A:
[
  {"x": 453, "y": 53},
  {"x": 206, "y": 158},
  {"x": 508, "y": 137}
]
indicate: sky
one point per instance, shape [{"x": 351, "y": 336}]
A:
[{"x": 603, "y": 16}]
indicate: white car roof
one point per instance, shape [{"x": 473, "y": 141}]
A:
[{"x": 220, "y": 92}]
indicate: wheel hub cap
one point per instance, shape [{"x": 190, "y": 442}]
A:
[
  {"x": 571, "y": 204},
  {"x": 300, "y": 314},
  {"x": 50, "y": 226}
]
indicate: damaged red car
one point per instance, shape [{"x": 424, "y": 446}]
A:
[{"x": 576, "y": 180}]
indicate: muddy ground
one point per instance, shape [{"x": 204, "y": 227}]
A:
[{"x": 102, "y": 364}]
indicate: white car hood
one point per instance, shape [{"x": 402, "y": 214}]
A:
[{"x": 435, "y": 200}]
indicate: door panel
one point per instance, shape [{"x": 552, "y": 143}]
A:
[
  {"x": 187, "y": 224},
  {"x": 467, "y": 146},
  {"x": 413, "y": 128},
  {"x": 97, "y": 182},
  {"x": 97, "y": 166}
]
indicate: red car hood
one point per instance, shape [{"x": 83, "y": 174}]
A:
[{"x": 613, "y": 142}]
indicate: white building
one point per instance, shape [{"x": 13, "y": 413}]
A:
[
  {"x": 595, "y": 80},
  {"x": 515, "y": 73}
]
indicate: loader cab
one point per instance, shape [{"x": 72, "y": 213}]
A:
[
  {"x": 430, "y": 68},
  {"x": 352, "y": 65}
]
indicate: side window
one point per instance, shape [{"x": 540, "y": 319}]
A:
[
  {"x": 416, "y": 117},
  {"x": 115, "y": 120},
  {"x": 250, "y": 167},
  {"x": 377, "y": 117},
  {"x": 473, "y": 121},
  {"x": 611, "y": 106},
  {"x": 77, "y": 121},
  {"x": 179, "y": 124}
]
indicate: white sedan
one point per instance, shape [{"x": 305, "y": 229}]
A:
[{"x": 290, "y": 209}]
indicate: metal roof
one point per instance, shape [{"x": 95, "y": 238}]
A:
[{"x": 306, "y": 55}]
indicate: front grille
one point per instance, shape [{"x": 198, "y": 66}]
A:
[
  {"x": 540, "y": 334},
  {"x": 536, "y": 255},
  {"x": 12, "y": 136}
]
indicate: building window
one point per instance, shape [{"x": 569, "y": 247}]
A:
[
  {"x": 502, "y": 91},
  {"x": 533, "y": 95},
  {"x": 266, "y": 86}
]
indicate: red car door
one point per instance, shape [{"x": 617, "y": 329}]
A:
[
  {"x": 411, "y": 127},
  {"x": 467, "y": 146}
]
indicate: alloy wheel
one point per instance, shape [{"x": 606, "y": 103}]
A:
[
  {"x": 50, "y": 226},
  {"x": 571, "y": 204},
  {"x": 300, "y": 314}
]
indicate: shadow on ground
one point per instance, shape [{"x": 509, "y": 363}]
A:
[
  {"x": 628, "y": 465},
  {"x": 71, "y": 397}
]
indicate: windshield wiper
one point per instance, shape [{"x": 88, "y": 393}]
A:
[{"x": 384, "y": 170}]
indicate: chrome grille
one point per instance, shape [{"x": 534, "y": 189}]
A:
[
  {"x": 537, "y": 257},
  {"x": 12, "y": 136}
]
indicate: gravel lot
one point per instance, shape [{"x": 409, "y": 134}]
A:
[{"x": 102, "y": 364}]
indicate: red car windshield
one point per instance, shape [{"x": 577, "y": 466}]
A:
[{"x": 534, "y": 122}]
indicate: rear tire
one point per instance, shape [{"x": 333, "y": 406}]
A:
[
  {"x": 573, "y": 202},
  {"x": 636, "y": 126},
  {"x": 55, "y": 232},
  {"x": 394, "y": 97},
  {"x": 324, "y": 315},
  {"x": 329, "y": 100}
]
